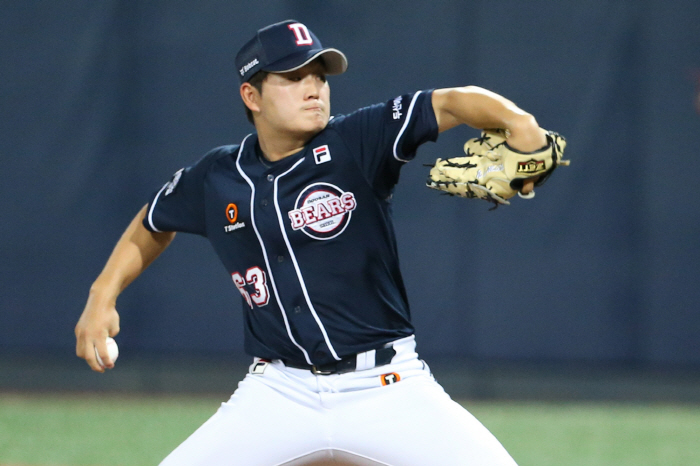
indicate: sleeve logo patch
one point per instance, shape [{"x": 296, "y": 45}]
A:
[
  {"x": 322, "y": 211},
  {"x": 396, "y": 108},
  {"x": 172, "y": 184}
]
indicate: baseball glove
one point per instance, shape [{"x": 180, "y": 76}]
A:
[{"x": 494, "y": 171}]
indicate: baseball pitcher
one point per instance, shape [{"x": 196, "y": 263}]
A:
[{"x": 299, "y": 213}]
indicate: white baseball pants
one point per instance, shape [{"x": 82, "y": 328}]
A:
[{"x": 284, "y": 416}]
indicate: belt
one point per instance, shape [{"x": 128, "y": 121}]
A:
[{"x": 382, "y": 356}]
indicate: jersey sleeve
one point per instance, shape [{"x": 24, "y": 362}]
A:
[
  {"x": 179, "y": 204},
  {"x": 383, "y": 137}
]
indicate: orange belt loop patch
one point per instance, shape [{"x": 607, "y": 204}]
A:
[{"x": 388, "y": 379}]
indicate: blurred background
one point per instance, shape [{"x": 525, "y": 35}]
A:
[{"x": 589, "y": 291}]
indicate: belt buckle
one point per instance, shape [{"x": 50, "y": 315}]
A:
[{"x": 316, "y": 371}]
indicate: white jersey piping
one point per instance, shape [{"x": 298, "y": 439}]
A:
[
  {"x": 153, "y": 206},
  {"x": 409, "y": 114},
  {"x": 262, "y": 246},
  {"x": 296, "y": 265}
]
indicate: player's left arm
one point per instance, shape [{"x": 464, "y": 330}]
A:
[{"x": 483, "y": 109}]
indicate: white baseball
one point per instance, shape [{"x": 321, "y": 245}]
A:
[{"x": 112, "y": 351}]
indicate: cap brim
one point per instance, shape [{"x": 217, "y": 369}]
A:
[{"x": 334, "y": 59}]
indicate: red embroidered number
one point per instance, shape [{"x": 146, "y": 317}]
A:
[{"x": 257, "y": 278}]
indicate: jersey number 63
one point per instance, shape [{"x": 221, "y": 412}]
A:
[{"x": 256, "y": 278}]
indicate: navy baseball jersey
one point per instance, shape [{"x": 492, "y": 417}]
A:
[{"x": 308, "y": 240}]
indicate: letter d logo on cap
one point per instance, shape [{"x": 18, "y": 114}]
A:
[{"x": 301, "y": 33}]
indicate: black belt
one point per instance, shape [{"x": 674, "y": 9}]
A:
[{"x": 382, "y": 357}]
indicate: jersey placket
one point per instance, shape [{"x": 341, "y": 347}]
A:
[
  {"x": 304, "y": 328},
  {"x": 253, "y": 219},
  {"x": 321, "y": 349}
]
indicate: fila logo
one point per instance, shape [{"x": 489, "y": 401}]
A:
[
  {"x": 301, "y": 33},
  {"x": 322, "y": 154},
  {"x": 260, "y": 366}
]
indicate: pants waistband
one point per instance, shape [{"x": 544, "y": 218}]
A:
[{"x": 357, "y": 362}]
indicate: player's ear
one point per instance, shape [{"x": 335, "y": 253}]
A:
[{"x": 250, "y": 97}]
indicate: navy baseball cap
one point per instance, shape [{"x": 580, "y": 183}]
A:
[{"x": 285, "y": 46}]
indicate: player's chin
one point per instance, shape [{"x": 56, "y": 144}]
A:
[{"x": 315, "y": 123}]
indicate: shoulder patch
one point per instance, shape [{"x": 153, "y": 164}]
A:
[
  {"x": 397, "y": 108},
  {"x": 172, "y": 184}
]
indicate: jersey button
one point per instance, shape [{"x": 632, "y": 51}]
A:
[
  {"x": 270, "y": 177},
  {"x": 264, "y": 202},
  {"x": 280, "y": 258},
  {"x": 297, "y": 309}
]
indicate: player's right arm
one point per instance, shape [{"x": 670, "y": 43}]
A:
[{"x": 134, "y": 252}]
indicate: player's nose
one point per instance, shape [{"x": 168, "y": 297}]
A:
[{"x": 312, "y": 86}]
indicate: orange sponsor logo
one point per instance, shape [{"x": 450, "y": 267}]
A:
[
  {"x": 232, "y": 212},
  {"x": 388, "y": 379}
]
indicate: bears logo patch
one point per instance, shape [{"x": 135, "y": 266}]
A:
[{"x": 322, "y": 211}]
